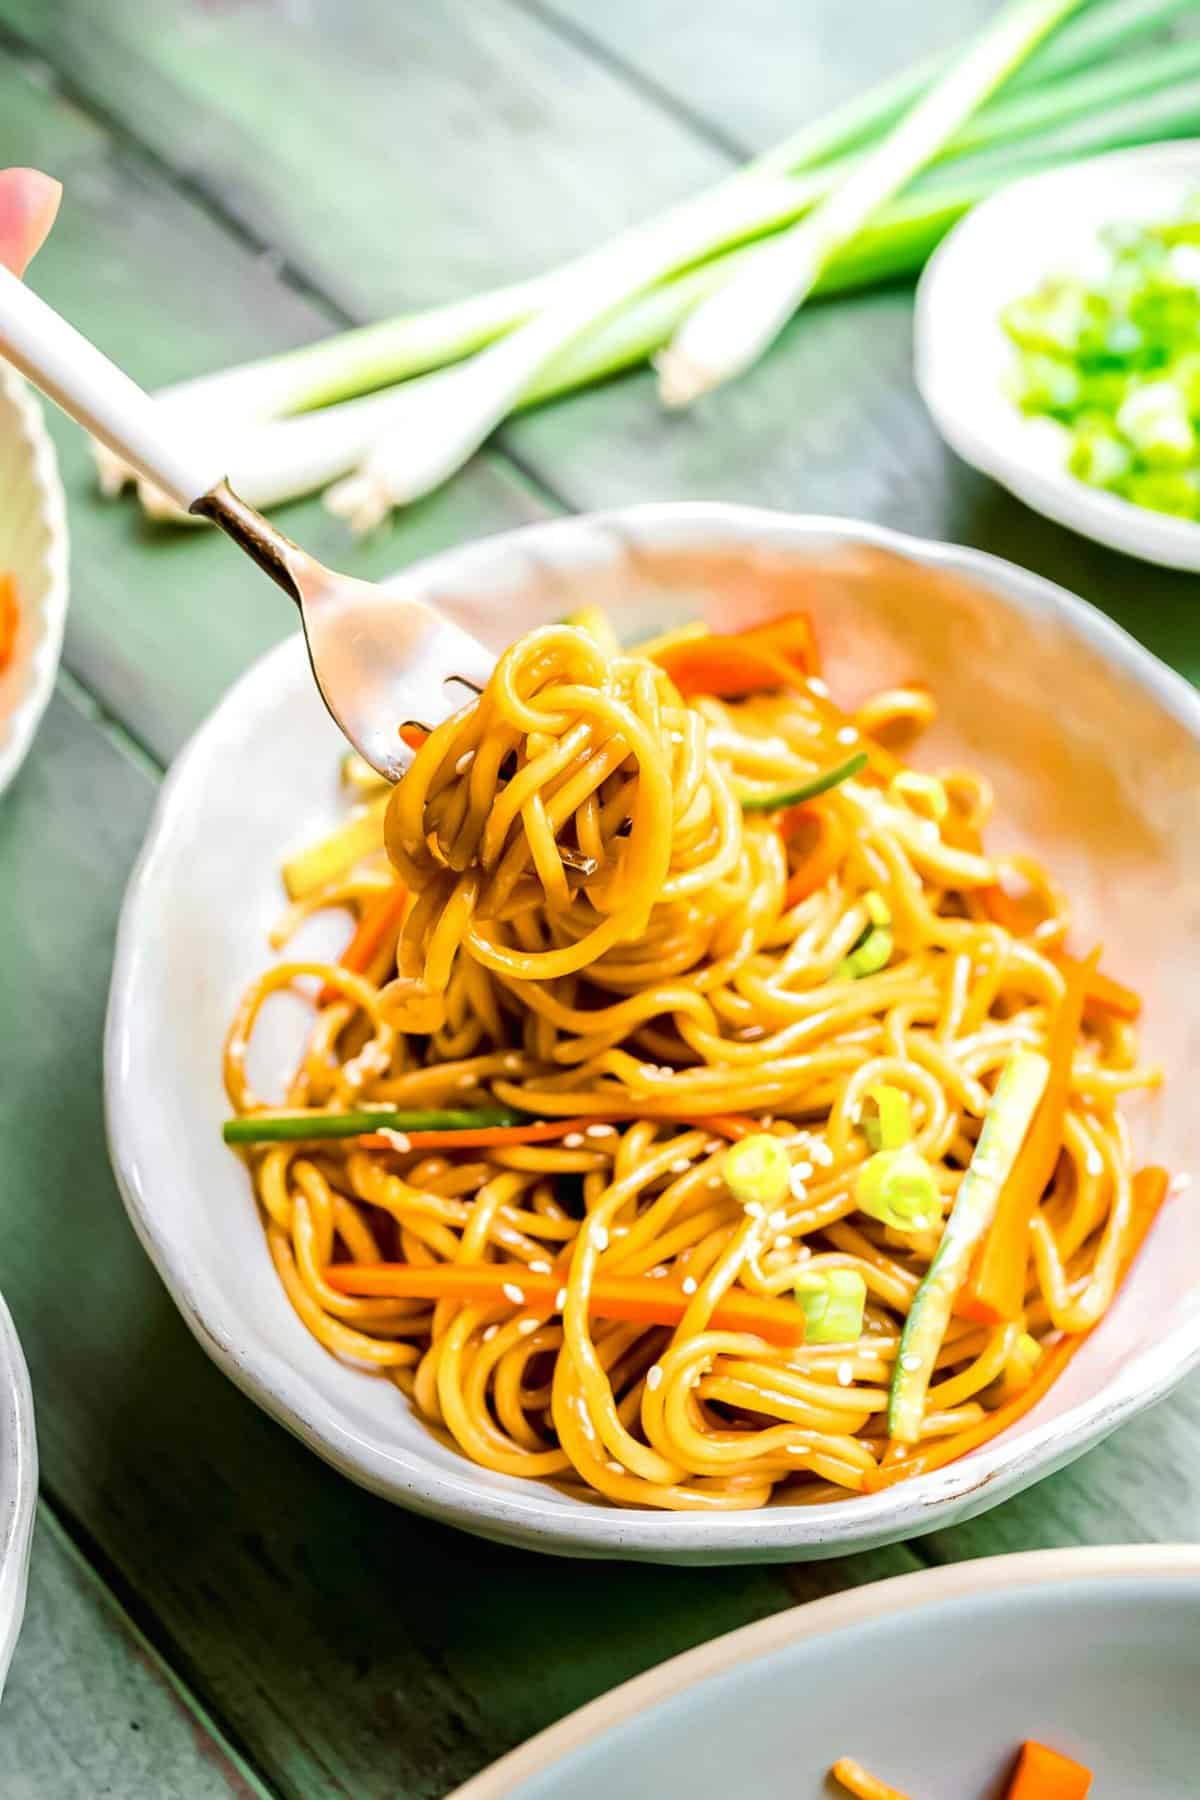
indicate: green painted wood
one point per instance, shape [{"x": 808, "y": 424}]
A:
[
  {"x": 395, "y": 155},
  {"x": 90, "y": 1709},
  {"x": 352, "y": 1649},
  {"x": 162, "y": 620}
]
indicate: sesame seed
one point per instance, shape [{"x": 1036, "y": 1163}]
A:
[
  {"x": 910, "y": 1361},
  {"x": 490, "y": 1333},
  {"x": 754, "y": 1210},
  {"x": 396, "y": 1139},
  {"x": 616, "y": 1467},
  {"x": 783, "y": 1241},
  {"x": 712, "y": 1145},
  {"x": 818, "y": 687},
  {"x": 600, "y": 1131},
  {"x": 689, "y": 1284},
  {"x": 541, "y": 1267},
  {"x": 464, "y": 762},
  {"x": 847, "y": 735},
  {"x": 528, "y": 1325},
  {"x": 573, "y": 1140},
  {"x": 714, "y": 1181},
  {"x": 796, "y": 1183},
  {"x": 799, "y": 1449},
  {"x": 654, "y": 1376},
  {"x": 680, "y": 1166},
  {"x": 778, "y": 1219},
  {"x": 659, "y": 1272},
  {"x": 749, "y": 1033},
  {"x": 512, "y": 1292},
  {"x": 511, "y": 1063},
  {"x": 767, "y": 1120},
  {"x": 821, "y": 1153},
  {"x": 845, "y": 1374},
  {"x": 1178, "y": 1184}
]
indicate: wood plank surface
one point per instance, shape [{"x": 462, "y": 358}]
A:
[
  {"x": 351, "y": 1648},
  {"x": 91, "y": 1710},
  {"x": 162, "y": 620}
]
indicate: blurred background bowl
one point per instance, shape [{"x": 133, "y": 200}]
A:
[{"x": 33, "y": 547}]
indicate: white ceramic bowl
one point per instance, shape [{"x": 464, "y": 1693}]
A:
[
  {"x": 18, "y": 1486},
  {"x": 33, "y": 547},
  {"x": 1094, "y": 749},
  {"x": 1001, "y": 250},
  {"x": 930, "y": 1680}
]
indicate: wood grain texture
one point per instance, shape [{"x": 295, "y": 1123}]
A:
[
  {"x": 90, "y": 1709},
  {"x": 353, "y": 1649},
  {"x": 163, "y": 620}
]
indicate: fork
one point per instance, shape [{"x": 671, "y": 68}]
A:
[{"x": 381, "y": 660}]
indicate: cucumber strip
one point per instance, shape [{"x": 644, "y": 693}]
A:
[{"x": 1018, "y": 1093}]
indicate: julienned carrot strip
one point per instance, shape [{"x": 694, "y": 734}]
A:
[
  {"x": 861, "y": 1783},
  {"x": 10, "y": 616},
  {"x": 994, "y": 1291},
  {"x": 730, "y": 1125},
  {"x": 728, "y": 667},
  {"x": 826, "y": 855},
  {"x": 1043, "y": 1774},
  {"x": 1103, "y": 994},
  {"x": 1149, "y": 1188},
  {"x": 790, "y": 636},
  {"x": 486, "y": 1137},
  {"x": 640, "y": 1299},
  {"x": 413, "y": 735},
  {"x": 380, "y": 916}
]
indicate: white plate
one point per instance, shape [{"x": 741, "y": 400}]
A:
[
  {"x": 1000, "y": 251},
  {"x": 1095, "y": 752},
  {"x": 33, "y": 547},
  {"x": 931, "y": 1680},
  {"x": 18, "y": 1486}
]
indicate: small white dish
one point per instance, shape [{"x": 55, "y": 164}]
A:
[
  {"x": 18, "y": 1486},
  {"x": 1003, "y": 248},
  {"x": 931, "y": 1681},
  {"x": 1094, "y": 751},
  {"x": 33, "y": 547}
]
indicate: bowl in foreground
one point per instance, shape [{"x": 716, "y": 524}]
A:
[
  {"x": 931, "y": 1680},
  {"x": 1041, "y": 226},
  {"x": 18, "y": 1486},
  {"x": 1094, "y": 749},
  {"x": 33, "y": 548}
]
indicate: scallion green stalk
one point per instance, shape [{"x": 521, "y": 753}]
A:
[{"x": 730, "y": 331}]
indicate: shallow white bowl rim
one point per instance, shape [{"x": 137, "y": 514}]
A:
[
  {"x": 18, "y": 1485},
  {"x": 993, "y": 1472}
]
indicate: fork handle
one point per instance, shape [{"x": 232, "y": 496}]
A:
[{"x": 105, "y": 401}]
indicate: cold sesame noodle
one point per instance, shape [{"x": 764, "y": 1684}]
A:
[{"x": 593, "y": 915}]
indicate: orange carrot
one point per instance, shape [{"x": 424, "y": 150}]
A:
[
  {"x": 1102, "y": 994},
  {"x": 641, "y": 1299},
  {"x": 413, "y": 735},
  {"x": 1043, "y": 1774},
  {"x": 994, "y": 1291},
  {"x": 861, "y": 1783},
  {"x": 825, "y": 855},
  {"x": 728, "y": 667},
  {"x": 10, "y": 614},
  {"x": 544, "y": 1131},
  {"x": 1149, "y": 1189},
  {"x": 381, "y": 915},
  {"x": 790, "y": 636}
]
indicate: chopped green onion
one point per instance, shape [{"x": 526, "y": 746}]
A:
[
  {"x": 278, "y": 1127},
  {"x": 871, "y": 954},
  {"x": 758, "y": 1170},
  {"x": 820, "y": 784},
  {"x": 833, "y": 1302},
  {"x": 895, "y": 1126},
  {"x": 1018, "y": 1092},
  {"x": 899, "y": 1188}
]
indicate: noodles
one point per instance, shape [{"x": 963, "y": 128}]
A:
[{"x": 598, "y": 933}]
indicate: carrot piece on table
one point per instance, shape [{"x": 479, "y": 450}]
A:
[
  {"x": 640, "y": 1299},
  {"x": 861, "y": 1783},
  {"x": 10, "y": 615},
  {"x": 994, "y": 1290},
  {"x": 825, "y": 855},
  {"x": 1149, "y": 1192},
  {"x": 382, "y": 914},
  {"x": 1043, "y": 1774}
]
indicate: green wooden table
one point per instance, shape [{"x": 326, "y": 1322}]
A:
[{"x": 212, "y": 1611}]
